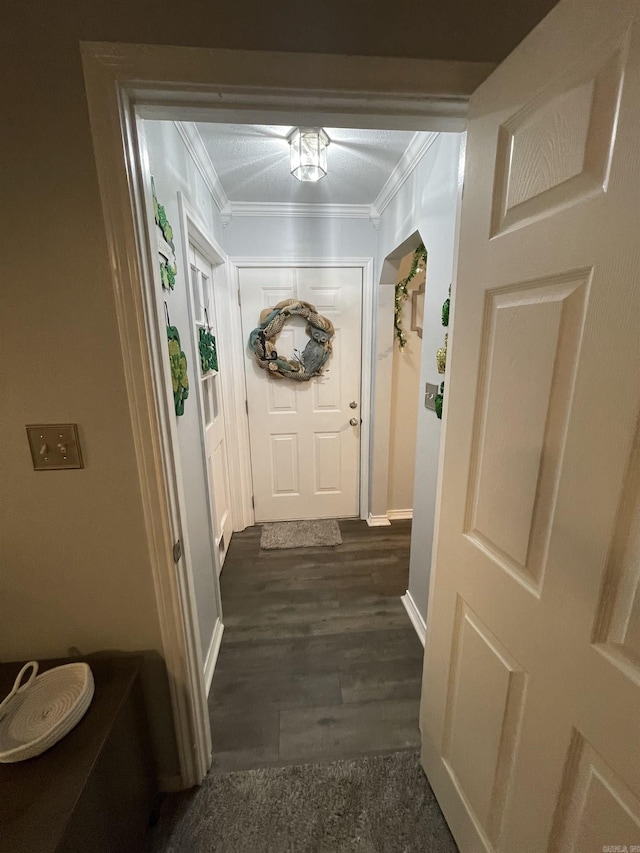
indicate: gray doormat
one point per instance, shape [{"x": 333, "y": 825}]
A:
[
  {"x": 300, "y": 534},
  {"x": 375, "y": 804}
]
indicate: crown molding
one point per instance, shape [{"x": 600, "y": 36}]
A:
[
  {"x": 196, "y": 147},
  {"x": 321, "y": 211},
  {"x": 417, "y": 148},
  {"x": 414, "y": 152}
]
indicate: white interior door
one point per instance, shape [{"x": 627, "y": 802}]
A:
[
  {"x": 305, "y": 454},
  {"x": 213, "y": 430},
  {"x": 530, "y": 712}
]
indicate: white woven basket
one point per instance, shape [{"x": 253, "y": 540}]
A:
[{"x": 38, "y": 713}]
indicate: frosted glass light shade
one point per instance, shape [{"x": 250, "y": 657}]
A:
[{"x": 308, "y": 153}]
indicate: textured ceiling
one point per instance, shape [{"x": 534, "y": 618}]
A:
[{"x": 252, "y": 162}]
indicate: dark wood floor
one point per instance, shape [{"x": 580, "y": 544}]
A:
[{"x": 318, "y": 660}]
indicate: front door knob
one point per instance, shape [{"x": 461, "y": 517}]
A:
[
  {"x": 354, "y": 422},
  {"x": 353, "y": 405}
]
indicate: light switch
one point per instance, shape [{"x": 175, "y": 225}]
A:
[
  {"x": 54, "y": 446},
  {"x": 430, "y": 392}
]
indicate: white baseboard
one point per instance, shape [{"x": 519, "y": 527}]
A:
[
  {"x": 378, "y": 521},
  {"x": 212, "y": 654},
  {"x": 416, "y": 619},
  {"x": 398, "y": 514}
]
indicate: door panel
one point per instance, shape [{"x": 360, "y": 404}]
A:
[
  {"x": 530, "y": 709},
  {"x": 304, "y": 452},
  {"x": 214, "y": 436}
]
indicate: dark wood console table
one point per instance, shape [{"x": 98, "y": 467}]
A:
[{"x": 95, "y": 789}]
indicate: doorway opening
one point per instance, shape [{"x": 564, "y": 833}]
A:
[
  {"x": 143, "y": 353},
  {"x": 405, "y": 383},
  {"x": 306, "y": 446},
  {"x": 407, "y": 420},
  {"x": 301, "y": 446}
]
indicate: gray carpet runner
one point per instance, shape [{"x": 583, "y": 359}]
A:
[{"x": 375, "y": 804}]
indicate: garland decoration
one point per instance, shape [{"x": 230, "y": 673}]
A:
[
  {"x": 303, "y": 366},
  {"x": 418, "y": 262}
]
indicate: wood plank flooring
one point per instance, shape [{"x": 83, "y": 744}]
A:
[{"x": 318, "y": 658}]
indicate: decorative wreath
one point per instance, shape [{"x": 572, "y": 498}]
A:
[{"x": 300, "y": 368}]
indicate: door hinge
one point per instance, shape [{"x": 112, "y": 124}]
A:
[
  {"x": 239, "y": 300},
  {"x": 177, "y": 551},
  {"x": 246, "y": 406},
  {"x": 253, "y": 502}
]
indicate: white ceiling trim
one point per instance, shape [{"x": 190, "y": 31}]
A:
[
  {"x": 415, "y": 151},
  {"x": 266, "y": 208},
  {"x": 196, "y": 147}
]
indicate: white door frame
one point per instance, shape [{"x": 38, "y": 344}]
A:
[
  {"x": 228, "y": 344},
  {"x": 125, "y": 83},
  {"x": 195, "y": 232},
  {"x": 367, "y": 354}
]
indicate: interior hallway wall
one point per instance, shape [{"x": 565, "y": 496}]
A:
[
  {"x": 405, "y": 385},
  {"x": 292, "y": 237},
  {"x": 174, "y": 171},
  {"x": 427, "y": 202}
]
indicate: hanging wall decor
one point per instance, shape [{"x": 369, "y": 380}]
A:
[
  {"x": 438, "y": 401},
  {"x": 441, "y": 354},
  {"x": 418, "y": 264},
  {"x": 303, "y": 366},
  {"x": 207, "y": 348},
  {"x": 178, "y": 365},
  {"x": 166, "y": 247}
]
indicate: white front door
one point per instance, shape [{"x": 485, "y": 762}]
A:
[
  {"x": 530, "y": 713},
  {"x": 305, "y": 454},
  {"x": 215, "y": 447}
]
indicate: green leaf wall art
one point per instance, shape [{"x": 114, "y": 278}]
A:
[
  {"x": 441, "y": 354},
  {"x": 208, "y": 352},
  {"x": 166, "y": 246},
  {"x": 178, "y": 363}
]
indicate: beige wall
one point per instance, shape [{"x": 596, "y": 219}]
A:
[
  {"x": 404, "y": 405},
  {"x": 75, "y": 569}
]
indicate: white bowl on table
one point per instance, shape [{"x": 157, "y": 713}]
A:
[{"x": 43, "y": 709}]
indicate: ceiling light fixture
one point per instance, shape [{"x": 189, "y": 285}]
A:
[{"x": 308, "y": 153}]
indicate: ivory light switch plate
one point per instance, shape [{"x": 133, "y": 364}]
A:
[{"x": 54, "y": 446}]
